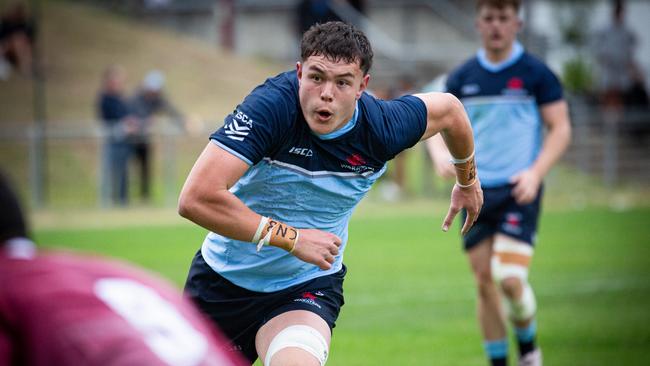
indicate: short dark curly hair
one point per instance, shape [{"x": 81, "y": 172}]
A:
[
  {"x": 499, "y": 4},
  {"x": 337, "y": 41}
]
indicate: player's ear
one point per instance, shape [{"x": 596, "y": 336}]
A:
[
  {"x": 364, "y": 85},
  {"x": 299, "y": 70}
]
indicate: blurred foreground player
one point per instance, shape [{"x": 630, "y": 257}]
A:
[{"x": 64, "y": 309}]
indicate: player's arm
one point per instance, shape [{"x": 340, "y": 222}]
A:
[
  {"x": 556, "y": 118},
  {"x": 206, "y": 200},
  {"x": 440, "y": 156},
  {"x": 447, "y": 116}
]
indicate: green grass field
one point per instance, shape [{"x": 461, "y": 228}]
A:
[{"x": 409, "y": 293}]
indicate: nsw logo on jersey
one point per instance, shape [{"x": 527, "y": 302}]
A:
[
  {"x": 515, "y": 86},
  {"x": 357, "y": 164},
  {"x": 239, "y": 126}
]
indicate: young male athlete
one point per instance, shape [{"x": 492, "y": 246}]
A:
[
  {"x": 509, "y": 96},
  {"x": 277, "y": 184},
  {"x": 63, "y": 309}
]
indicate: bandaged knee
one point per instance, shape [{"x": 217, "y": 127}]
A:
[
  {"x": 511, "y": 260},
  {"x": 299, "y": 336}
]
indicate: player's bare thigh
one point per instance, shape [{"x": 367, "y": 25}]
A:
[
  {"x": 290, "y": 355},
  {"x": 479, "y": 257}
]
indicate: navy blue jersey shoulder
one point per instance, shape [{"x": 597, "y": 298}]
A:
[
  {"x": 458, "y": 75},
  {"x": 396, "y": 124},
  {"x": 527, "y": 77},
  {"x": 269, "y": 124},
  {"x": 263, "y": 119}
]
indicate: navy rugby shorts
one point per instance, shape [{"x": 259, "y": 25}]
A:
[
  {"x": 239, "y": 313},
  {"x": 502, "y": 214}
]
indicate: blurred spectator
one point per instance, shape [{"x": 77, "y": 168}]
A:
[
  {"x": 16, "y": 40},
  {"x": 311, "y": 12},
  {"x": 149, "y": 101},
  {"x": 114, "y": 112},
  {"x": 359, "y": 5},
  {"x": 614, "y": 50},
  {"x": 637, "y": 111},
  {"x": 64, "y": 309}
]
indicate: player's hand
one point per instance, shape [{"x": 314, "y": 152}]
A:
[
  {"x": 317, "y": 247},
  {"x": 469, "y": 198},
  {"x": 526, "y": 186}
]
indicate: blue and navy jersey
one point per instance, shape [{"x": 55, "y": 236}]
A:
[
  {"x": 304, "y": 179},
  {"x": 502, "y": 102}
]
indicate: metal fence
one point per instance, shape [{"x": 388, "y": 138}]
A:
[
  {"x": 611, "y": 148},
  {"x": 64, "y": 164},
  {"x": 611, "y": 145}
]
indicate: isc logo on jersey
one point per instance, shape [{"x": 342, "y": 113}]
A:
[
  {"x": 239, "y": 126},
  {"x": 303, "y": 151}
]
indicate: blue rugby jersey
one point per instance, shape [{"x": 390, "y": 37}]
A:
[
  {"x": 303, "y": 179},
  {"x": 502, "y": 102}
]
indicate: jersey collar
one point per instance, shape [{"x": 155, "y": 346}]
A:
[
  {"x": 347, "y": 127},
  {"x": 517, "y": 51}
]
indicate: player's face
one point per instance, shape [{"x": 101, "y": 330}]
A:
[
  {"x": 498, "y": 27},
  {"x": 328, "y": 92}
]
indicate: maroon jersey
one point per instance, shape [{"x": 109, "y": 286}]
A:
[{"x": 65, "y": 309}]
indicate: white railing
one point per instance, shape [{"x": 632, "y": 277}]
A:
[{"x": 611, "y": 149}]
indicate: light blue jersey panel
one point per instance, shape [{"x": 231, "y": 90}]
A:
[
  {"x": 508, "y": 136},
  {"x": 305, "y": 180},
  {"x": 327, "y": 206}
]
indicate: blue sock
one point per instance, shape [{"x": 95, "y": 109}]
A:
[
  {"x": 526, "y": 337},
  {"x": 497, "y": 351}
]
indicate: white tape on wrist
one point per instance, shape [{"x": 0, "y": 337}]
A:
[
  {"x": 453, "y": 160},
  {"x": 260, "y": 227},
  {"x": 466, "y": 185},
  {"x": 265, "y": 240},
  {"x": 295, "y": 243}
]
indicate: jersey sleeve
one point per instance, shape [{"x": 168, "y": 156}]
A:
[
  {"x": 452, "y": 84},
  {"x": 256, "y": 126},
  {"x": 549, "y": 88},
  {"x": 403, "y": 124}
]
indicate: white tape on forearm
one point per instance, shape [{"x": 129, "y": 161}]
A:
[
  {"x": 260, "y": 227},
  {"x": 265, "y": 240},
  {"x": 295, "y": 242},
  {"x": 453, "y": 160}
]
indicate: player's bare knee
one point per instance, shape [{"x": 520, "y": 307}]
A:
[
  {"x": 487, "y": 289},
  {"x": 483, "y": 276}
]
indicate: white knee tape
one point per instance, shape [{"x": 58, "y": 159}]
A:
[
  {"x": 299, "y": 336},
  {"x": 500, "y": 270},
  {"x": 525, "y": 308}
]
